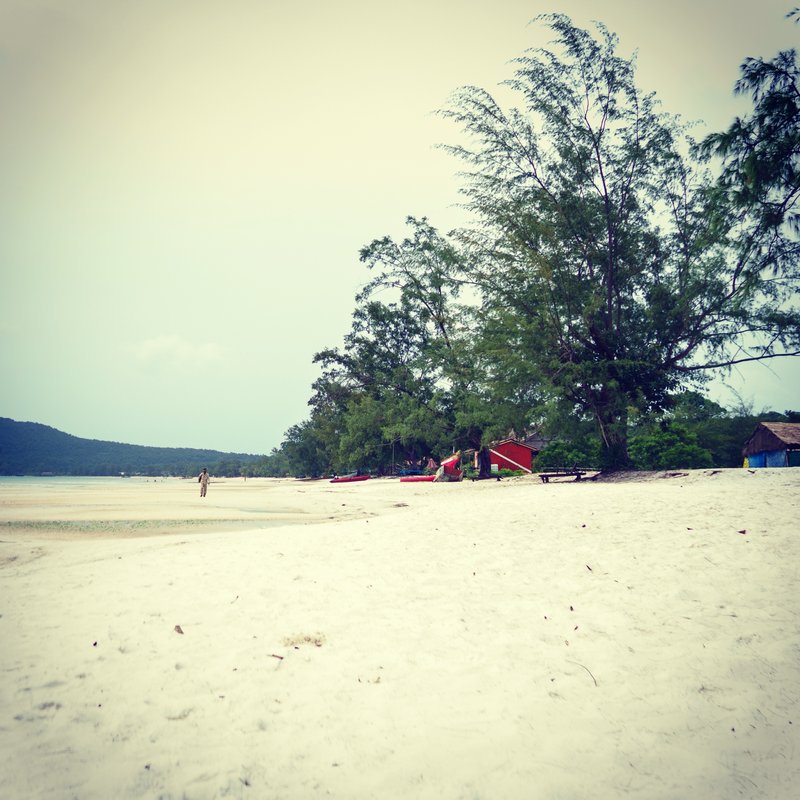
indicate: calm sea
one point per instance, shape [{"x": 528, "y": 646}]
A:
[{"x": 45, "y": 481}]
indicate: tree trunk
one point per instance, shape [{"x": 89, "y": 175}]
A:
[{"x": 612, "y": 420}]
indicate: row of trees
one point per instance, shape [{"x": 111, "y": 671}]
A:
[
  {"x": 695, "y": 433},
  {"x": 613, "y": 264}
]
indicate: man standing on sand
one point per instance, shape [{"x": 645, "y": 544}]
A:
[{"x": 202, "y": 479}]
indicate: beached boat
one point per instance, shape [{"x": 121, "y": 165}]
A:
[
  {"x": 350, "y": 478},
  {"x": 417, "y": 478}
]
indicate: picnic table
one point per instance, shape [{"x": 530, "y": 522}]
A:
[{"x": 563, "y": 472}]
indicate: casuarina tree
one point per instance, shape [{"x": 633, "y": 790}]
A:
[
  {"x": 761, "y": 162},
  {"x": 601, "y": 245}
]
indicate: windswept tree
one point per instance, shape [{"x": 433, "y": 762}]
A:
[
  {"x": 599, "y": 245},
  {"x": 761, "y": 163}
]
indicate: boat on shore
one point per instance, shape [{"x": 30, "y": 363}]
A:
[{"x": 350, "y": 478}]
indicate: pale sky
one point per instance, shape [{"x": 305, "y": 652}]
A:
[{"x": 186, "y": 185}]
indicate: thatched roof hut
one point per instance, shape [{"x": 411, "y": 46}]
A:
[{"x": 774, "y": 444}]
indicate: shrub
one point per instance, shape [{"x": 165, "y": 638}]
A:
[
  {"x": 568, "y": 454},
  {"x": 674, "y": 447}
]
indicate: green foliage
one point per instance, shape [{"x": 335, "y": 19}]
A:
[
  {"x": 756, "y": 200},
  {"x": 724, "y": 437},
  {"x": 505, "y": 392},
  {"x": 584, "y": 453},
  {"x": 695, "y": 432},
  {"x": 693, "y": 407},
  {"x": 275, "y": 465},
  {"x": 674, "y": 447},
  {"x": 761, "y": 156},
  {"x": 696, "y": 420},
  {"x": 305, "y": 450}
]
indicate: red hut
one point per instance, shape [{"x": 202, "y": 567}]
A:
[{"x": 512, "y": 454}]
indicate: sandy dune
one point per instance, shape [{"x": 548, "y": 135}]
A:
[{"x": 285, "y": 639}]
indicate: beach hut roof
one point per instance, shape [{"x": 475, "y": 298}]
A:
[
  {"x": 533, "y": 441},
  {"x": 514, "y": 441},
  {"x": 536, "y": 441},
  {"x": 769, "y": 436}
]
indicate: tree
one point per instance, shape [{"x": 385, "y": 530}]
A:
[
  {"x": 274, "y": 465},
  {"x": 695, "y": 408},
  {"x": 761, "y": 159},
  {"x": 402, "y": 363},
  {"x": 600, "y": 244},
  {"x": 304, "y": 450},
  {"x": 674, "y": 447},
  {"x": 559, "y": 454}
]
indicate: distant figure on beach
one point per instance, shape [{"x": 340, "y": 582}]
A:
[{"x": 202, "y": 479}]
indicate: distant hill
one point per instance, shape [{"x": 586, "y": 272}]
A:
[{"x": 28, "y": 448}]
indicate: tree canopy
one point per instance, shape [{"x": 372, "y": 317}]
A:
[{"x": 602, "y": 240}]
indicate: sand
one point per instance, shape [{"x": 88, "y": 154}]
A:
[{"x": 289, "y": 639}]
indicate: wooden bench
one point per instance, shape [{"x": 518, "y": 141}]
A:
[{"x": 562, "y": 473}]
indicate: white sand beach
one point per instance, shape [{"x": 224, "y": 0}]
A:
[{"x": 297, "y": 639}]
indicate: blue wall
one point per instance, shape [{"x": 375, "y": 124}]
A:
[{"x": 769, "y": 458}]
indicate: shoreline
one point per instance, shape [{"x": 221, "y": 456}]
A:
[{"x": 73, "y": 507}]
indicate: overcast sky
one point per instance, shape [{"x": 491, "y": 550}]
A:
[{"x": 186, "y": 185}]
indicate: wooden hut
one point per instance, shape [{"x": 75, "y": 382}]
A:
[
  {"x": 512, "y": 454},
  {"x": 773, "y": 444}
]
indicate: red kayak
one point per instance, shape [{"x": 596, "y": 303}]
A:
[
  {"x": 417, "y": 478},
  {"x": 350, "y": 478}
]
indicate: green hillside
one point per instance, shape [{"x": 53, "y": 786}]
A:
[{"x": 28, "y": 448}]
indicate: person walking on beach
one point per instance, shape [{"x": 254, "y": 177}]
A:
[{"x": 203, "y": 479}]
